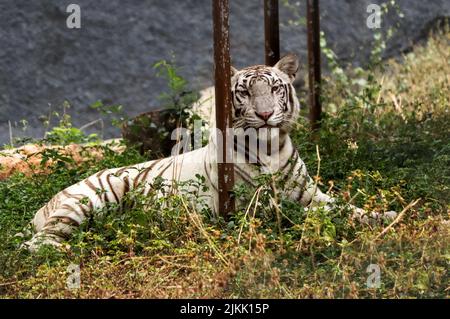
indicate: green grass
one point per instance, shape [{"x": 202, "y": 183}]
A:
[{"x": 378, "y": 153}]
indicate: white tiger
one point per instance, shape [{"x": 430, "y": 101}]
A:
[{"x": 262, "y": 97}]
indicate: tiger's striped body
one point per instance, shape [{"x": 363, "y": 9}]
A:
[{"x": 263, "y": 97}]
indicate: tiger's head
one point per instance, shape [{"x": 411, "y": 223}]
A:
[{"x": 264, "y": 96}]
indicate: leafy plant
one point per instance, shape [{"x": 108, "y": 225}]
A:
[
  {"x": 179, "y": 99},
  {"x": 383, "y": 145}
]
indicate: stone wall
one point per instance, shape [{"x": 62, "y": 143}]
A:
[{"x": 43, "y": 63}]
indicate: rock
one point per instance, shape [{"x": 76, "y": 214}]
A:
[
  {"x": 110, "y": 58},
  {"x": 27, "y": 159}
]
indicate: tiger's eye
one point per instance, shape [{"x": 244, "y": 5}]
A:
[{"x": 275, "y": 88}]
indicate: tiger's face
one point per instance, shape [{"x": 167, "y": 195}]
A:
[{"x": 264, "y": 96}]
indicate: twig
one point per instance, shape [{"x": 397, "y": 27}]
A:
[
  {"x": 399, "y": 217},
  {"x": 177, "y": 264},
  {"x": 350, "y": 201},
  {"x": 8, "y": 283},
  {"x": 247, "y": 211},
  {"x": 280, "y": 211},
  {"x": 397, "y": 104},
  {"x": 300, "y": 244},
  {"x": 275, "y": 201},
  {"x": 379, "y": 93},
  {"x": 197, "y": 223},
  {"x": 250, "y": 226},
  {"x": 251, "y": 230},
  {"x": 10, "y": 134},
  {"x": 49, "y": 119},
  {"x": 85, "y": 126}
]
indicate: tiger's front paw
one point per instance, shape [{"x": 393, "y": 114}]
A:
[
  {"x": 390, "y": 215},
  {"x": 35, "y": 243},
  {"x": 374, "y": 218}
]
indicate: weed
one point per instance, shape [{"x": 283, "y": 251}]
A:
[{"x": 384, "y": 143}]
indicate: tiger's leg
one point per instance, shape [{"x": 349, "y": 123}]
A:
[
  {"x": 310, "y": 194},
  {"x": 54, "y": 223},
  {"x": 65, "y": 212},
  {"x": 314, "y": 196}
]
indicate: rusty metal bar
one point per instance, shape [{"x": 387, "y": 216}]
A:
[
  {"x": 313, "y": 26},
  {"x": 271, "y": 32},
  {"x": 222, "y": 76}
]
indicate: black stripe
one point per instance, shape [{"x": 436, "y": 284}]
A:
[
  {"x": 91, "y": 186},
  {"x": 291, "y": 159},
  {"x": 303, "y": 190},
  {"x": 77, "y": 196},
  {"x": 237, "y": 99},
  {"x": 291, "y": 99},
  {"x": 66, "y": 193},
  {"x": 126, "y": 189},
  {"x": 126, "y": 182},
  {"x": 120, "y": 171},
  {"x": 103, "y": 190},
  {"x": 246, "y": 177},
  {"x": 145, "y": 172},
  {"x": 45, "y": 211},
  {"x": 83, "y": 209},
  {"x": 108, "y": 179},
  {"x": 247, "y": 152},
  {"x": 208, "y": 177},
  {"x": 100, "y": 173},
  {"x": 64, "y": 220},
  {"x": 69, "y": 208},
  {"x": 165, "y": 168},
  {"x": 282, "y": 144},
  {"x": 57, "y": 233}
]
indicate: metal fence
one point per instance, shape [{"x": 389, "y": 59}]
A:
[{"x": 272, "y": 55}]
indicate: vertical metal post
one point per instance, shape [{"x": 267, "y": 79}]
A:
[
  {"x": 271, "y": 32},
  {"x": 223, "y": 103},
  {"x": 313, "y": 25}
]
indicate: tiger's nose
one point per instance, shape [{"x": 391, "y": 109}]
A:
[{"x": 264, "y": 115}]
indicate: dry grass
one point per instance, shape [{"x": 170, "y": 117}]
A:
[{"x": 376, "y": 161}]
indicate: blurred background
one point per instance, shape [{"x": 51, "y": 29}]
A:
[{"x": 111, "y": 58}]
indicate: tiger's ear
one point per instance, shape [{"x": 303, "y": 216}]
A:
[
  {"x": 233, "y": 71},
  {"x": 288, "y": 64}
]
